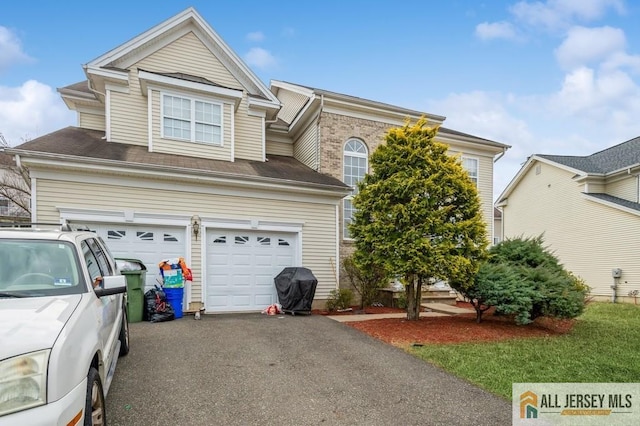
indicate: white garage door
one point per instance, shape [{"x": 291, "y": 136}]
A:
[
  {"x": 149, "y": 243},
  {"x": 241, "y": 266}
]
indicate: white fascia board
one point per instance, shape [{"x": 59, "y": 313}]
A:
[
  {"x": 264, "y": 91},
  {"x": 161, "y": 80},
  {"x": 292, "y": 88},
  {"x": 262, "y": 103},
  {"x": 141, "y": 39},
  {"x": 115, "y": 75},
  {"x": 610, "y": 204},
  {"x": 364, "y": 106},
  {"x": 99, "y": 110},
  {"x": 502, "y": 198},
  {"x": 486, "y": 146},
  {"x": 477, "y": 149},
  {"x": 174, "y": 174}
]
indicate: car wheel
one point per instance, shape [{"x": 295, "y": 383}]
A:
[
  {"x": 94, "y": 408},
  {"x": 124, "y": 333}
]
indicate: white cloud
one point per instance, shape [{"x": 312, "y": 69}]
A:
[
  {"x": 585, "y": 46},
  {"x": 595, "y": 94},
  {"x": 489, "y": 31},
  {"x": 260, "y": 58},
  {"x": 31, "y": 110},
  {"x": 10, "y": 49},
  {"x": 558, "y": 14},
  {"x": 256, "y": 36}
]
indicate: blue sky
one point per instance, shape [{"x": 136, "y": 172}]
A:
[{"x": 553, "y": 76}]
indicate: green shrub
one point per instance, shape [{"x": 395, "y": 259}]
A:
[
  {"x": 524, "y": 279},
  {"x": 339, "y": 299},
  {"x": 366, "y": 278}
]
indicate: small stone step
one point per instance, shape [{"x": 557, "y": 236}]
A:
[
  {"x": 449, "y": 299},
  {"x": 446, "y": 309}
]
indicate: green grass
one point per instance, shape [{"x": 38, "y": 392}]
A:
[{"x": 604, "y": 346}]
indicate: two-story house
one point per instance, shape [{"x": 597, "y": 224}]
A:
[
  {"x": 587, "y": 208},
  {"x": 180, "y": 150}
]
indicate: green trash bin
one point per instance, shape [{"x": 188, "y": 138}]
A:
[{"x": 136, "y": 274}]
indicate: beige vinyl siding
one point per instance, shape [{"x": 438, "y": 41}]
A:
[
  {"x": 249, "y": 132},
  {"x": 304, "y": 149},
  {"x": 318, "y": 233},
  {"x": 129, "y": 115},
  {"x": 626, "y": 188},
  {"x": 91, "y": 121},
  {"x": 292, "y": 103},
  {"x": 279, "y": 148},
  {"x": 588, "y": 237},
  {"x": 485, "y": 186},
  {"x": 203, "y": 150},
  {"x": 190, "y": 56}
]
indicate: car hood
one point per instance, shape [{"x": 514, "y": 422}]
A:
[{"x": 33, "y": 323}]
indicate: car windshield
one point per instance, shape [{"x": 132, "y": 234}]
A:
[{"x": 38, "y": 268}]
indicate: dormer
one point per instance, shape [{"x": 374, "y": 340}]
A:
[{"x": 176, "y": 88}]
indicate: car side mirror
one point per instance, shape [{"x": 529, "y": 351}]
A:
[{"x": 114, "y": 284}]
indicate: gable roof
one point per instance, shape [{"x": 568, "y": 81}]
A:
[
  {"x": 78, "y": 145},
  {"x": 602, "y": 163},
  {"x": 153, "y": 39},
  {"x": 312, "y": 94},
  {"x": 606, "y": 161}
]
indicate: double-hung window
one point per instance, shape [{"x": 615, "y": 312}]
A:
[
  {"x": 191, "y": 120},
  {"x": 471, "y": 166},
  {"x": 356, "y": 159}
]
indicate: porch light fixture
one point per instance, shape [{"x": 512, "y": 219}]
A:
[{"x": 195, "y": 225}]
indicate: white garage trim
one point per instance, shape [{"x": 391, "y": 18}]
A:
[{"x": 291, "y": 228}]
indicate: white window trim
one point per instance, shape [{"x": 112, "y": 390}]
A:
[
  {"x": 350, "y": 196},
  {"x": 192, "y": 120},
  {"x": 477, "y": 160}
]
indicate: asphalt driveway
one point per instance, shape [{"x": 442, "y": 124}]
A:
[{"x": 253, "y": 369}]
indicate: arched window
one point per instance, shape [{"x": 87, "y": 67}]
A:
[{"x": 356, "y": 164}]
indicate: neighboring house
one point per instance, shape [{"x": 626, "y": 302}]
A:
[
  {"x": 588, "y": 209},
  {"x": 181, "y": 150},
  {"x": 497, "y": 225},
  {"x": 10, "y": 211}
]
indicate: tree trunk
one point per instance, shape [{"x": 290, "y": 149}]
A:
[
  {"x": 478, "y": 314},
  {"x": 414, "y": 294}
]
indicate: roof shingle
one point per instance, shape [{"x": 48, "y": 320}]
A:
[
  {"x": 82, "y": 144},
  {"x": 611, "y": 159}
]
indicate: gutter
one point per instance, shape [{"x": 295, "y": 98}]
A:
[{"x": 124, "y": 166}]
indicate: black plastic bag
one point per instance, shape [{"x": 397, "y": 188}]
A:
[{"x": 157, "y": 309}]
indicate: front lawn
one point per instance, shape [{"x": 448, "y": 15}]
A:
[{"x": 604, "y": 346}]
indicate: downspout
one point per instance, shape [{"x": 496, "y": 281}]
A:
[
  {"x": 107, "y": 113},
  {"x": 504, "y": 151},
  {"x": 318, "y": 151}
]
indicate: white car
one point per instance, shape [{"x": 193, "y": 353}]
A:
[{"x": 63, "y": 324}]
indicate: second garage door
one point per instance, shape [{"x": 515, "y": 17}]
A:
[{"x": 241, "y": 266}]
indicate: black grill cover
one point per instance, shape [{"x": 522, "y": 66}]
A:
[{"x": 296, "y": 288}]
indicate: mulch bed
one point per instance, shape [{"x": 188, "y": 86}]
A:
[{"x": 452, "y": 329}]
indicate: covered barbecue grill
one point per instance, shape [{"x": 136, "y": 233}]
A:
[{"x": 296, "y": 288}]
